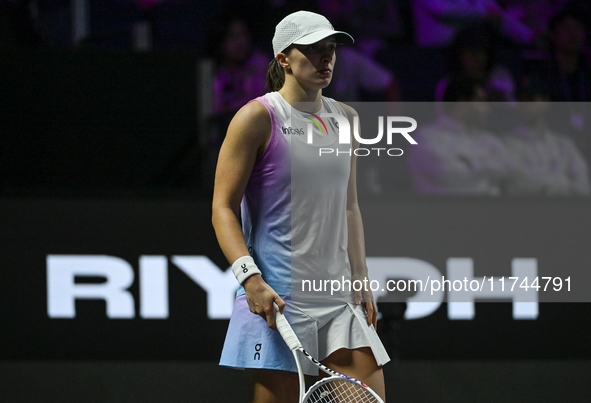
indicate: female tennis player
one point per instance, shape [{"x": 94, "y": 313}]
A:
[{"x": 301, "y": 223}]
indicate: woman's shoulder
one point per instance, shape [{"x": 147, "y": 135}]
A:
[
  {"x": 255, "y": 109},
  {"x": 253, "y": 117}
]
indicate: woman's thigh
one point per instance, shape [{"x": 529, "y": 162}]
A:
[
  {"x": 272, "y": 386},
  {"x": 359, "y": 364}
]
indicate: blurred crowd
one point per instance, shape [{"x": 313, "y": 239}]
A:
[
  {"x": 463, "y": 151},
  {"x": 509, "y": 79}
]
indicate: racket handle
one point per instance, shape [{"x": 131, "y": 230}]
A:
[{"x": 286, "y": 331}]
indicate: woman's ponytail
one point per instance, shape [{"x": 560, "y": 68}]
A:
[{"x": 275, "y": 76}]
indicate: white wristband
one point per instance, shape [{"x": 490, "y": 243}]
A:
[{"x": 244, "y": 267}]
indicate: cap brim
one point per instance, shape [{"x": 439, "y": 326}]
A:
[{"x": 342, "y": 38}]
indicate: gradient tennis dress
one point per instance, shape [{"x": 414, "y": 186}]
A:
[{"x": 295, "y": 224}]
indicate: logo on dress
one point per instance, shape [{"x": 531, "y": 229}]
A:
[
  {"x": 293, "y": 131},
  {"x": 316, "y": 123},
  {"x": 257, "y": 349}
]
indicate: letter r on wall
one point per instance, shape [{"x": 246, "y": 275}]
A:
[{"x": 62, "y": 290}]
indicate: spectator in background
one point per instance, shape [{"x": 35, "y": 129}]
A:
[
  {"x": 239, "y": 75},
  {"x": 473, "y": 55},
  {"x": 569, "y": 78},
  {"x": 568, "y": 72},
  {"x": 438, "y": 21},
  {"x": 544, "y": 162},
  {"x": 455, "y": 154}
]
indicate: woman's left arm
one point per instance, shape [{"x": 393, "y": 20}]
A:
[{"x": 356, "y": 237}]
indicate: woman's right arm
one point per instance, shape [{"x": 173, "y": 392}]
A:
[{"x": 247, "y": 137}]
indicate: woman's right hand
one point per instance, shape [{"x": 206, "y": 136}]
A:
[{"x": 260, "y": 297}]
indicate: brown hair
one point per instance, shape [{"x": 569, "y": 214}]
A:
[{"x": 276, "y": 74}]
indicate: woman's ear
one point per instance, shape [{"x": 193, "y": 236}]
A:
[{"x": 282, "y": 59}]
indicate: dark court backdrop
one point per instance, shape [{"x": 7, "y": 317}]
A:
[{"x": 197, "y": 297}]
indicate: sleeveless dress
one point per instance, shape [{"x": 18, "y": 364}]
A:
[{"x": 294, "y": 221}]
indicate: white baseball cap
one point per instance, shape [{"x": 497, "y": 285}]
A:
[{"x": 305, "y": 28}]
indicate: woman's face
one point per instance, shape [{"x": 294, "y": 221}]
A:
[{"x": 312, "y": 65}]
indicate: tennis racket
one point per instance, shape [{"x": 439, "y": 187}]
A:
[{"x": 336, "y": 388}]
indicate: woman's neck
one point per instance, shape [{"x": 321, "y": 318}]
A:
[{"x": 296, "y": 94}]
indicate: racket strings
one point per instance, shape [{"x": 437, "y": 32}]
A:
[{"x": 340, "y": 391}]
